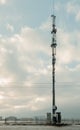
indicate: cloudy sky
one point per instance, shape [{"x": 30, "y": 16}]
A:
[{"x": 25, "y": 57}]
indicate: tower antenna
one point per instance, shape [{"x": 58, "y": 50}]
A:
[{"x": 55, "y": 115}]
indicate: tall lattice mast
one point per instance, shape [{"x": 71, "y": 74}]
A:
[
  {"x": 56, "y": 116},
  {"x": 53, "y": 45}
]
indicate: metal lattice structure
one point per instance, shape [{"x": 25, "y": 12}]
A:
[{"x": 53, "y": 45}]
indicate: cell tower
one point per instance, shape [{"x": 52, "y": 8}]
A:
[
  {"x": 53, "y": 45},
  {"x": 56, "y": 116}
]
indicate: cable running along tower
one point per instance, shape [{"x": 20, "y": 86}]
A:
[{"x": 56, "y": 117}]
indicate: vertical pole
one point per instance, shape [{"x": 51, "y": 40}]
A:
[
  {"x": 53, "y": 45},
  {"x": 53, "y": 91}
]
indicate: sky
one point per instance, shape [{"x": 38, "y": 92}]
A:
[{"x": 26, "y": 57}]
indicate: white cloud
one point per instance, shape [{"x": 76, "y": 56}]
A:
[
  {"x": 10, "y": 27},
  {"x": 68, "y": 43},
  {"x": 4, "y": 81},
  {"x": 3, "y": 2},
  {"x": 73, "y": 8},
  {"x": 21, "y": 64}
]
